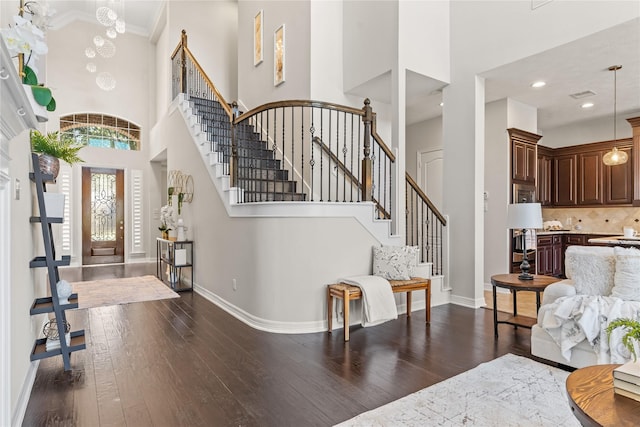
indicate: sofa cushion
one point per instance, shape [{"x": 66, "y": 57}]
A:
[
  {"x": 394, "y": 262},
  {"x": 627, "y": 277},
  {"x": 591, "y": 268}
]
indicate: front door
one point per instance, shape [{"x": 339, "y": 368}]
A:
[{"x": 102, "y": 216}]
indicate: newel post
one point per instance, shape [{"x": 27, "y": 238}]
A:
[
  {"x": 183, "y": 62},
  {"x": 233, "y": 166},
  {"x": 366, "y": 178}
]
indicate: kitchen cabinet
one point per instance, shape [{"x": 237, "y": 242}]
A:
[
  {"x": 578, "y": 177},
  {"x": 524, "y": 162},
  {"x": 544, "y": 184},
  {"x": 523, "y": 156},
  {"x": 590, "y": 180},
  {"x": 618, "y": 182},
  {"x": 549, "y": 259},
  {"x": 565, "y": 174}
]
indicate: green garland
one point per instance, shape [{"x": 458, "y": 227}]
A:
[{"x": 632, "y": 334}]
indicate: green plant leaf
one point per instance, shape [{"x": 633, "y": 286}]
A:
[
  {"x": 30, "y": 77},
  {"x": 42, "y": 95},
  {"x": 51, "y": 106}
]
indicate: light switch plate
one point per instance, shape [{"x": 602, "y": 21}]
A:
[{"x": 16, "y": 188}]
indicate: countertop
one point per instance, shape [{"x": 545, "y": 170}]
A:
[
  {"x": 616, "y": 240},
  {"x": 593, "y": 233}
]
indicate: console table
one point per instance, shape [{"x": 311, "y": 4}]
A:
[{"x": 171, "y": 258}]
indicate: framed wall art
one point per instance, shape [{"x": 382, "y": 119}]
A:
[
  {"x": 257, "y": 39},
  {"x": 278, "y": 56}
]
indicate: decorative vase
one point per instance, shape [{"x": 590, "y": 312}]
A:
[
  {"x": 165, "y": 235},
  {"x": 64, "y": 290},
  {"x": 181, "y": 234},
  {"x": 49, "y": 165}
]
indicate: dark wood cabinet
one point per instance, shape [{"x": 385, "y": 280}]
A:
[
  {"x": 590, "y": 180},
  {"x": 549, "y": 252},
  {"x": 618, "y": 182},
  {"x": 578, "y": 177},
  {"x": 544, "y": 184},
  {"x": 565, "y": 174},
  {"x": 524, "y": 162}
]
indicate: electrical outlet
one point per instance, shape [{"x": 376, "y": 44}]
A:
[{"x": 235, "y": 285}]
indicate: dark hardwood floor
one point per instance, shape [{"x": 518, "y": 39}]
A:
[{"x": 185, "y": 362}]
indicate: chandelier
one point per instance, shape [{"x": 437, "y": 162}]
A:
[
  {"x": 615, "y": 156},
  {"x": 109, "y": 14}
]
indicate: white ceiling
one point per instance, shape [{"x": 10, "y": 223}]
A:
[
  {"x": 575, "y": 67},
  {"x": 140, "y": 15}
]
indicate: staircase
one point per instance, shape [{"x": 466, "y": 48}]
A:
[{"x": 260, "y": 175}]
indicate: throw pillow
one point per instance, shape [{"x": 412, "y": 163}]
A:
[
  {"x": 394, "y": 262},
  {"x": 627, "y": 278},
  {"x": 591, "y": 268}
]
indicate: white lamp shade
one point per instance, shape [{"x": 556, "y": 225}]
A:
[{"x": 524, "y": 215}]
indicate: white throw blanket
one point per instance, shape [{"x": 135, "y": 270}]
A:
[
  {"x": 378, "y": 302},
  {"x": 570, "y": 320}
]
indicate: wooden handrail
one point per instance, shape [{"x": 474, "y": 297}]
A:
[
  {"x": 182, "y": 46},
  {"x": 374, "y": 134},
  {"x": 297, "y": 103},
  {"x": 425, "y": 199},
  {"x": 210, "y": 84},
  {"x": 348, "y": 173}
]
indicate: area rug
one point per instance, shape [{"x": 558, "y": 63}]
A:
[
  {"x": 508, "y": 391},
  {"x": 100, "y": 293}
]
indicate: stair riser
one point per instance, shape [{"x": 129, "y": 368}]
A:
[
  {"x": 267, "y": 174},
  {"x": 269, "y": 186},
  {"x": 273, "y": 197}
]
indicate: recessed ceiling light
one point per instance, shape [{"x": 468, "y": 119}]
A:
[
  {"x": 587, "y": 105},
  {"x": 441, "y": 104},
  {"x": 538, "y": 84}
]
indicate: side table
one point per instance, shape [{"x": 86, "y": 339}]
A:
[
  {"x": 593, "y": 402},
  {"x": 514, "y": 284}
]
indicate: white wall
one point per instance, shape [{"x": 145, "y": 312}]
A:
[
  {"x": 370, "y": 42},
  {"x": 485, "y": 35},
  {"x": 422, "y": 136},
  {"x": 500, "y": 116},
  {"x": 586, "y": 132},
  {"x": 255, "y": 83},
  {"x": 26, "y": 283},
  {"x": 423, "y": 38}
]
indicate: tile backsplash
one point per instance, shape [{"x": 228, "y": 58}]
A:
[{"x": 609, "y": 220}]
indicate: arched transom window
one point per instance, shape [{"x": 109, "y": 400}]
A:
[{"x": 100, "y": 130}]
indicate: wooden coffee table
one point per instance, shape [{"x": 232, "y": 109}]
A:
[
  {"x": 514, "y": 284},
  {"x": 593, "y": 401}
]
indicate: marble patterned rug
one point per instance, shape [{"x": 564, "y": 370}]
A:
[
  {"x": 100, "y": 293},
  {"x": 508, "y": 391}
]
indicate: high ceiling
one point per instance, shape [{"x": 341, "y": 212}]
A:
[
  {"x": 576, "y": 67},
  {"x": 140, "y": 15}
]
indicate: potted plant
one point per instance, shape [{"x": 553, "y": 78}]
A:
[
  {"x": 631, "y": 338},
  {"x": 52, "y": 147}
]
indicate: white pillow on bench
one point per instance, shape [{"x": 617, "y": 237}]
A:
[{"x": 394, "y": 262}]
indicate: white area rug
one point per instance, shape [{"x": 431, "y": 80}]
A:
[
  {"x": 101, "y": 293},
  {"x": 508, "y": 391}
]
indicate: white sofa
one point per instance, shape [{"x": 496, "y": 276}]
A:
[{"x": 603, "y": 283}]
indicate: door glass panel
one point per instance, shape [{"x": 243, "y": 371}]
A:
[{"x": 103, "y": 207}]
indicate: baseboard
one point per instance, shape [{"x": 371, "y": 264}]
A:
[
  {"x": 25, "y": 394},
  {"x": 290, "y": 327},
  {"x": 259, "y": 323},
  {"x": 468, "y": 302}
]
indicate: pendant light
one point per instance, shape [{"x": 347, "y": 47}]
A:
[{"x": 615, "y": 157}]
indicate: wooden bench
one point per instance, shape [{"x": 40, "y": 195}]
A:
[{"x": 349, "y": 292}]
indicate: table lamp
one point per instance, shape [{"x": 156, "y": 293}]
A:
[{"x": 521, "y": 216}]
